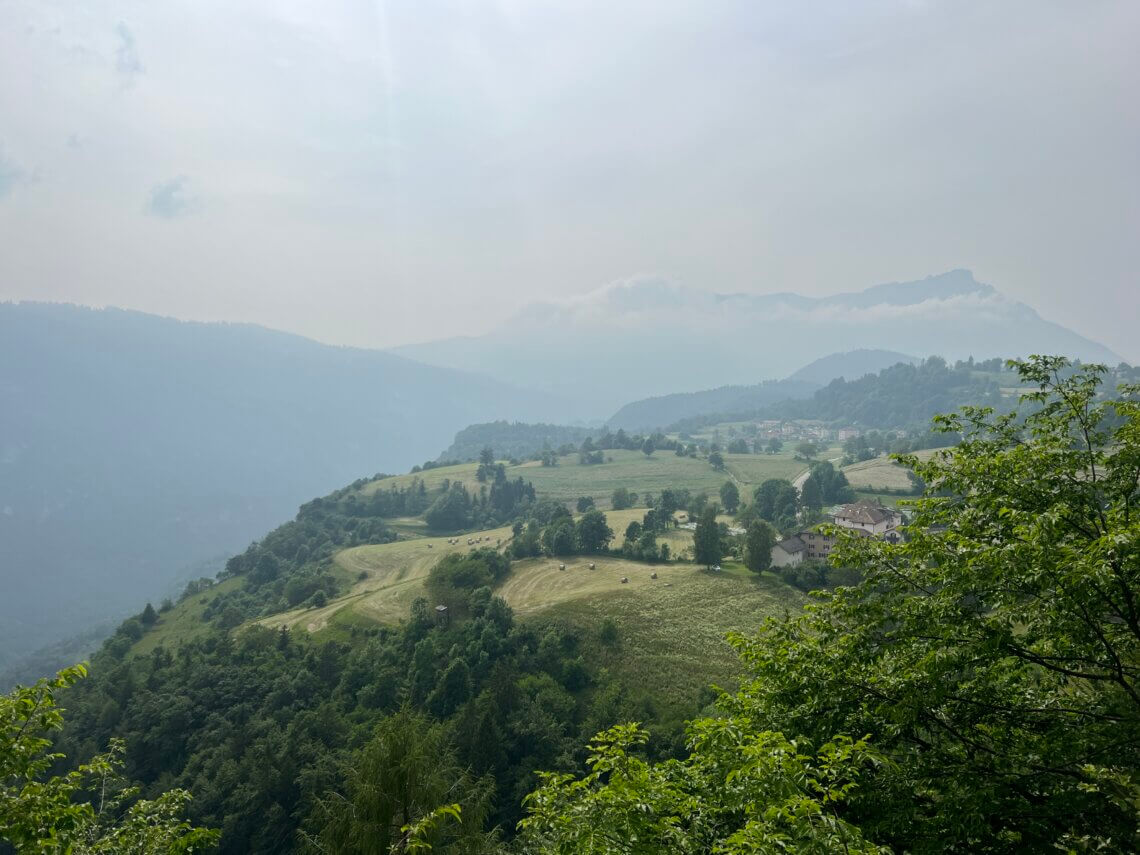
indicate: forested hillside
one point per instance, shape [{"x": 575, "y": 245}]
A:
[
  {"x": 903, "y": 397},
  {"x": 656, "y": 413},
  {"x": 512, "y": 439}
]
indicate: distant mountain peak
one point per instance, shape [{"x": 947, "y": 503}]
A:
[{"x": 662, "y": 336}]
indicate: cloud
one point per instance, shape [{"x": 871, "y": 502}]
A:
[
  {"x": 11, "y": 175},
  {"x": 127, "y": 60},
  {"x": 170, "y": 199}
]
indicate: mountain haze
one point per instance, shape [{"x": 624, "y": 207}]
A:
[
  {"x": 658, "y": 337},
  {"x": 132, "y": 446}
]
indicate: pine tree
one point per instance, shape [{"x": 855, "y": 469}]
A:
[{"x": 706, "y": 539}]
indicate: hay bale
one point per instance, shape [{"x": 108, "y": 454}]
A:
[
  {"x": 624, "y": 579},
  {"x": 561, "y": 566},
  {"x": 652, "y": 575},
  {"x": 591, "y": 565}
]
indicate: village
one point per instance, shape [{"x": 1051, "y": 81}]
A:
[{"x": 863, "y": 518}]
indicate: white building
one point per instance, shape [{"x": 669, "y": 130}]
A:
[
  {"x": 788, "y": 552},
  {"x": 868, "y": 517}
]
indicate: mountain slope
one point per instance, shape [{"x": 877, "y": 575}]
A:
[
  {"x": 851, "y": 365},
  {"x": 656, "y": 413},
  {"x": 657, "y": 337},
  {"x": 132, "y": 446}
]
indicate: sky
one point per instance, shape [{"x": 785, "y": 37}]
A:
[{"x": 379, "y": 173}]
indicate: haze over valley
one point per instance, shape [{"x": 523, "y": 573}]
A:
[{"x": 569, "y": 428}]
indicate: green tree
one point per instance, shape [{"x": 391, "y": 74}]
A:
[
  {"x": 739, "y": 790},
  {"x": 149, "y": 616},
  {"x": 405, "y": 792},
  {"x": 807, "y": 449},
  {"x": 41, "y": 814},
  {"x": 486, "y": 463},
  {"x": 716, "y": 460},
  {"x": 995, "y": 652},
  {"x": 560, "y": 537},
  {"x": 648, "y": 447},
  {"x": 730, "y": 497},
  {"x": 758, "y": 542},
  {"x": 707, "y": 548},
  {"x": 594, "y": 534},
  {"x": 775, "y": 445},
  {"x": 622, "y": 498},
  {"x": 585, "y": 503},
  {"x": 776, "y": 500},
  {"x": 811, "y": 496}
]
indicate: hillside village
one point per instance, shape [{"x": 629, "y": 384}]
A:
[{"x": 863, "y": 518}]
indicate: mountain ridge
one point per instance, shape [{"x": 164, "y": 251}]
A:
[
  {"x": 133, "y": 445},
  {"x": 675, "y": 338}
]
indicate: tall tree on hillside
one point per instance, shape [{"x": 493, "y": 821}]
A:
[
  {"x": 716, "y": 460},
  {"x": 776, "y": 500},
  {"x": 730, "y": 497},
  {"x": 811, "y": 495},
  {"x": 622, "y": 498},
  {"x": 758, "y": 542},
  {"x": 403, "y": 781},
  {"x": 775, "y": 445},
  {"x": 486, "y": 463},
  {"x": 707, "y": 547},
  {"x": 593, "y": 532},
  {"x": 807, "y": 449}
]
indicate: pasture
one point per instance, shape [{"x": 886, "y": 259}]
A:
[
  {"x": 393, "y": 576},
  {"x": 464, "y": 473},
  {"x": 671, "y": 637},
  {"x": 881, "y": 473},
  {"x": 183, "y": 622},
  {"x": 631, "y": 469}
]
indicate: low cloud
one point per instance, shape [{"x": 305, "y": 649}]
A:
[
  {"x": 171, "y": 199},
  {"x": 11, "y": 175},
  {"x": 127, "y": 60}
]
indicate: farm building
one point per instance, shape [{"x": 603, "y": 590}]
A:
[
  {"x": 869, "y": 517},
  {"x": 788, "y": 552}
]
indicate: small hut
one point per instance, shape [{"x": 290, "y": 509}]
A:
[{"x": 442, "y": 616}]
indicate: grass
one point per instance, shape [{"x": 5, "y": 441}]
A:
[
  {"x": 672, "y": 631},
  {"x": 754, "y": 469},
  {"x": 393, "y": 576},
  {"x": 183, "y": 622},
  {"x": 630, "y": 469},
  {"x": 432, "y": 478},
  {"x": 881, "y": 473}
]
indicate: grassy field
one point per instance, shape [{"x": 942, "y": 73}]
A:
[
  {"x": 432, "y": 478},
  {"x": 630, "y": 469},
  {"x": 881, "y": 473},
  {"x": 393, "y": 576},
  {"x": 183, "y": 622},
  {"x": 755, "y": 469},
  {"x": 671, "y": 631}
]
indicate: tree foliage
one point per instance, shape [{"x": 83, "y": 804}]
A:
[
  {"x": 978, "y": 691},
  {"x": 89, "y": 810}
]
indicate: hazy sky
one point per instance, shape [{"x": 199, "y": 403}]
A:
[{"x": 375, "y": 173}]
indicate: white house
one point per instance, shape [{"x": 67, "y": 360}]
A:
[
  {"x": 788, "y": 552},
  {"x": 868, "y": 517}
]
